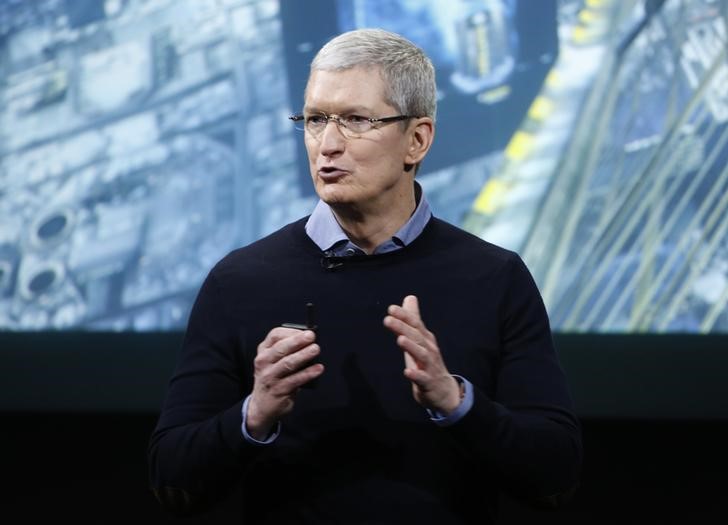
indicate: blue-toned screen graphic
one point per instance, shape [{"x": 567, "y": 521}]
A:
[{"x": 142, "y": 140}]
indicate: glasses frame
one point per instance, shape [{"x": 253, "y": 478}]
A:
[{"x": 343, "y": 128}]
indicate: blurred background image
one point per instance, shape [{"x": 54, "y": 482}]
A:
[{"x": 141, "y": 140}]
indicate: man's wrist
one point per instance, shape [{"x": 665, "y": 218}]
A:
[
  {"x": 256, "y": 433},
  {"x": 455, "y": 397},
  {"x": 464, "y": 406}
]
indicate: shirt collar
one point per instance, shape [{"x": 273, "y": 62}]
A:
[{"x": 323, "y": 229}]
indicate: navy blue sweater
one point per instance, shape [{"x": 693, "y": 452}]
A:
[{"x": 357, "y": 448}]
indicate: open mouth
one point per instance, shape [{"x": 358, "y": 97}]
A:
[{"x": 331, "y": 172}]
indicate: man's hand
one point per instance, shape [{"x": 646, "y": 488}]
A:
[
  {"x": 433, "y": 386},
  {"x": 280, "y": 370}
]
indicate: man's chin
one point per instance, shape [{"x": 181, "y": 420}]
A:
[{"x": 333, "y": 196}]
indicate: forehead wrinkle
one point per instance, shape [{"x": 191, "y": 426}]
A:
[{"x": 346, "y": 110}]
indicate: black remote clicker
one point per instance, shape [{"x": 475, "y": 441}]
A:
[{"x": 310, "y": 325}]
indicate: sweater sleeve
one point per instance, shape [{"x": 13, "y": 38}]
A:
[
  {"x": 197, "y": 450},
  {"x": 528, "y": 431}
]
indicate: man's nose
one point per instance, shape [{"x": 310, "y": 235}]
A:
[{"x": 332, "y": 138}]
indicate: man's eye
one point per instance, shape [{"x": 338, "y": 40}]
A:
[
  {"x": 315, "y": 119},
  {"x": 355, "y": 119}
]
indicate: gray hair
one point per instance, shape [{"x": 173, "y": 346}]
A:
[{"x": 408, "y": 73}]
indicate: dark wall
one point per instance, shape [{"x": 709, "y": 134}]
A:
[
  {"x": 672, "y": 376},
  {"x": 91, "y": 468},
  {"x": 77, "y": 411}
]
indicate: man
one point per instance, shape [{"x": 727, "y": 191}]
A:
[{"x": 427, "y": 381}]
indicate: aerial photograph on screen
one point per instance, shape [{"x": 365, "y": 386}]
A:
[{"x": 142, "y": 140}]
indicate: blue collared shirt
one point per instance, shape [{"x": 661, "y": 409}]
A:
[{"x": 323, "y": 229}]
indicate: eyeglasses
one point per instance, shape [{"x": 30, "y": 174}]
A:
[{"x": 351, "y": 126}]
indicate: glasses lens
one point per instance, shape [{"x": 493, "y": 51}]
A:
[
  {"x": 351, "y": 126},
  {"x": 315, "y": 124},
  {"x": 356, "y": 124}
]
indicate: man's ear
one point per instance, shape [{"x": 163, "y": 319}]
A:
[{"x": 421, "y": 137}]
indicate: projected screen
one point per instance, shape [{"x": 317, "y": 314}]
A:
[{"x": 142, "y": 140}]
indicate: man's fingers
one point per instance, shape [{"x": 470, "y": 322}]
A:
[
  {"x": 411, "y": 304},
  {"x": 285, "y": 377},
  {"x": 278, "y": 334},
  {"x": 290, "y": 364},
  {"x": 418, "y": 334},
  {"x": 409, "y": 313},
  {"x": 409, "y": 362},
  {"x": 419, "y": 355},
  {"x": 400, "y": 327},
  {"x": 418, "y": 377},
  {"x": 405, "y": 315},
  {"x": 283, "y": 341}
]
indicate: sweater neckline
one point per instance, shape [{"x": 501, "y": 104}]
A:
[{"x": 301, "y": 238}]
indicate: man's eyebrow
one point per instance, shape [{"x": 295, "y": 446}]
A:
[{"x": 345, "y": 111}]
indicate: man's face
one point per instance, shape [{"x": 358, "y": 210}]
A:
[{"x": 365, "y": 173}]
